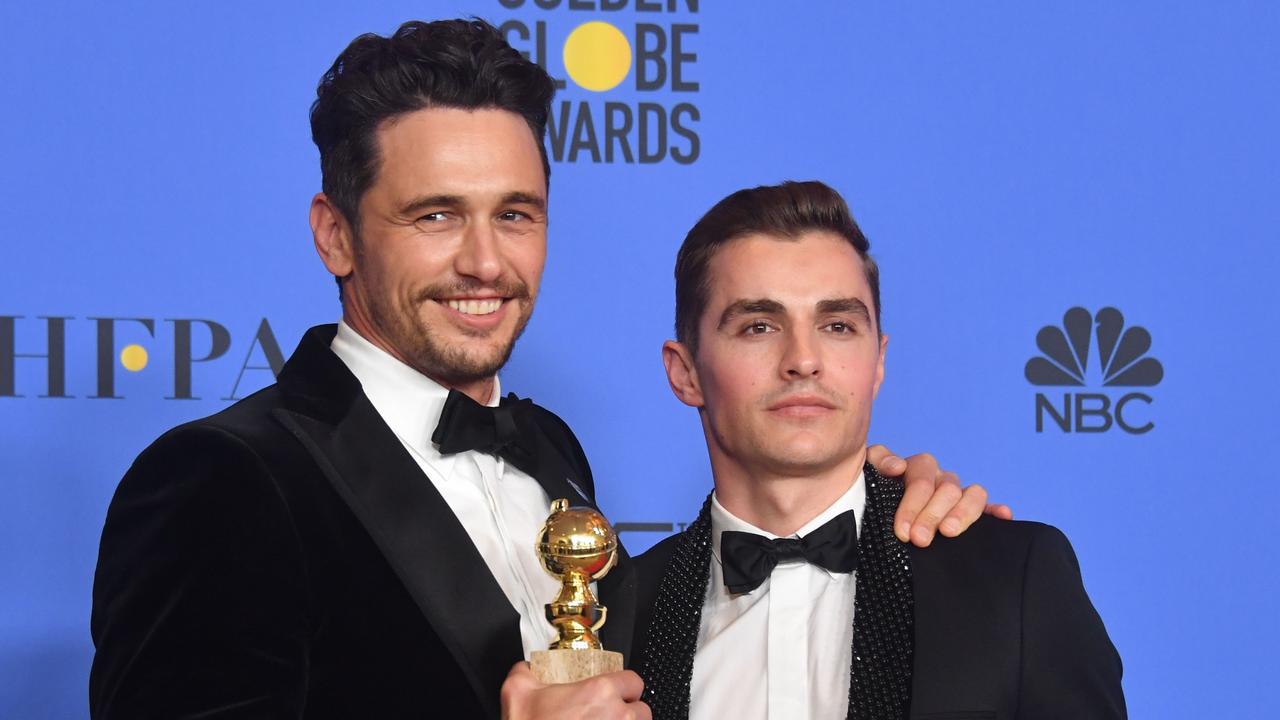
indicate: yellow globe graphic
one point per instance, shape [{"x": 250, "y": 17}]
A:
[
  {"x": 133, "y": 357},
  {"x": 597, "y": 56}
]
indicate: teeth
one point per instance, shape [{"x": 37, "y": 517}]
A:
[{"x": 475, "y": 307}]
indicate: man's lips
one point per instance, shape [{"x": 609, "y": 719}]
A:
[{"x": 803, "y": 404}]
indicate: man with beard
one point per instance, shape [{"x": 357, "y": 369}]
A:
[
  {"x": 354, "y": 541},
  {"x": 790, "y": 596}
]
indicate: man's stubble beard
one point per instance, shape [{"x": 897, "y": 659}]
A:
[{"x": 427, "y": 353}]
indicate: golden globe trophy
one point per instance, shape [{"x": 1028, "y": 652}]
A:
[{"x": 576, "y": 545}]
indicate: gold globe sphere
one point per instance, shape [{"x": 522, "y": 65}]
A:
[{"x": 577, "y": 539}]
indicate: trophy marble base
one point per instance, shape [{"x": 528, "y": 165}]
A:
[{"x": 554, "y": 667}]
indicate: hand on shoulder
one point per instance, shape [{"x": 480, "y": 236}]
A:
[{"x": 933, "y": 500}]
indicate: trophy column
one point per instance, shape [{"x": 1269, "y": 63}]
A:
[{"x": 577, "y": 546}]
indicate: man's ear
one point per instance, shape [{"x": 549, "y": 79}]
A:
[
  {"x": 681, "y": 373},
  {"x": 884, "y": 345},
  {"x": 332, "y": 236}
]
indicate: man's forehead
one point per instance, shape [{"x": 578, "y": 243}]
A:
[
  {"x": 451, "y": 151},
  {"x": 802, "y": 270}
]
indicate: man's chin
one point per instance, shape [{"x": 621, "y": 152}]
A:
[
  {"x": 800, "y": 459},
  {"x": 461, "y": 361},
  {"x": 455, "y": 354}
]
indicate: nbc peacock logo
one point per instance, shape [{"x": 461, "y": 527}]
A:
[{"x": 1093, "y": 349}]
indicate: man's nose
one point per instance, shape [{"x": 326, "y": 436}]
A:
[
  {"x": 479, "y": 256},
  {"x": 801, "y": 358}
]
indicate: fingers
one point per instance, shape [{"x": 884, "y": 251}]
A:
[
  {"x": 932, "y": 499},
  {"x": 520, "y": 677},
  {"x": 885, "y": 462},
  {"x": 946, "y": 494},
  {"x": 1002, "y": 511},
  {"x": 626, "y": 684},
  {"x": 914, "y": 498},
  {"x": 958, "y": 519},
  {"x": 921, "y": 474},
  {"x": 516, "y": 690},
  {"x": 612, "y": 696}
]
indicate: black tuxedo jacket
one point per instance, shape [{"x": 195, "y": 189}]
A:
[
  {"x": 287, "y": 558},
  {"x": 1001, "y": 626}
]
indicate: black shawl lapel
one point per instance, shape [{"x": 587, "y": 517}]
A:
[
  {"x": 560, "y": 478},
  {"x": 418, "y": 534},
  {"x": 883, "y": 623}
]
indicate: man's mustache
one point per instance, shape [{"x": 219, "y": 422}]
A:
[{"x": 514, "y": 290}]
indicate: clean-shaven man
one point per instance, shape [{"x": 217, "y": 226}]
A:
[
  {"x": 354, "y": 541},
  {"x": 790, "y": 596}
]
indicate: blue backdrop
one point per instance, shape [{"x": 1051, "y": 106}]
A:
[{"x": 1009, "y": 162}]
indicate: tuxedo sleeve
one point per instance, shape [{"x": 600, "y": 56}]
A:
[
  {"x": 199, "y": 597},
  {"x": 1070, "y": 669}
]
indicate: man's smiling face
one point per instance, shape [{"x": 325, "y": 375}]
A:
[{"x": 451, "y": 243}]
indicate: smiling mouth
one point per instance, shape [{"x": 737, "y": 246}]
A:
[{"x": 487, "y": 306}]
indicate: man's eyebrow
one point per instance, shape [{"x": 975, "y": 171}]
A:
[
  {"x": 525, "y": 198},
  {"x": 844, "y": 305},
  {"x": 422, "y": 202},
  {"x": 750, "y": 306}
]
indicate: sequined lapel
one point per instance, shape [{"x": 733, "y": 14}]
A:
[
  {"x": 884, "y": 607},
  {"x": 666, "y": 662}
]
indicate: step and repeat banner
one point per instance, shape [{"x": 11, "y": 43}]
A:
[{"x": 1074, "y": 206}]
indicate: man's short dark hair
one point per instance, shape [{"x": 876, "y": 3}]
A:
[
  {"x": 784, "y": 211},
  {"x": 463, "y": 64}
]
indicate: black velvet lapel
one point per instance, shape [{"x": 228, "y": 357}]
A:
[
  {"x": 418, "y": 534},
  {"x": 558, "y": 478}
]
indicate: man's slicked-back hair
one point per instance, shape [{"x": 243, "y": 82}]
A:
[
  {"x": 464, "y": 64},
  {"x": 784, "y": 211}
]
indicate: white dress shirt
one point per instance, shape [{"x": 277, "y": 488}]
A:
[
  {"x": 782, "y": 651},
  {"x": 501, "y": 507}
]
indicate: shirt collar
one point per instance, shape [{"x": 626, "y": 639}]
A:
[
  {"x": 408, "y": 401},
  {"x": 855, "y": 499}
]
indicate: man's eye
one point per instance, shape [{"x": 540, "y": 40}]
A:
[
  {"x": 756, "y": 328},
  {"x": 840, "y": 327},
  {"x": 433, "y": 217},
  {"x": 514, "y": 216}
]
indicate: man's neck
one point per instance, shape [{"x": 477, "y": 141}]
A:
[{"x": 782, "y": 503}]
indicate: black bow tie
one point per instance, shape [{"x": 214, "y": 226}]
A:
[
  {"x": 506, "y": 431},
  {"x": 748, "y": 558}
]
